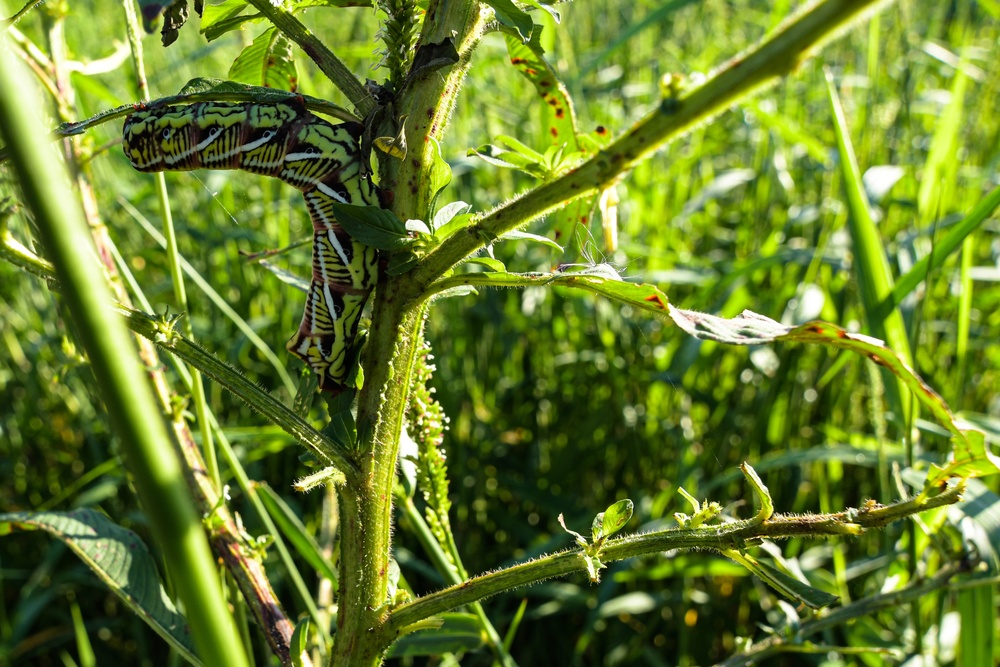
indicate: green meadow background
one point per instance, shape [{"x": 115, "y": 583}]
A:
[{"x": 562, "y": 402}]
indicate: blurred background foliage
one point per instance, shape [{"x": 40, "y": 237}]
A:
[{"x": 559, "y": 402}]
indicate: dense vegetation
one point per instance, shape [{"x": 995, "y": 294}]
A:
[{"x": 561, "y": 401}]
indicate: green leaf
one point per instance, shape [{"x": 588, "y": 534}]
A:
[
  {"x": 521, "y": 148},
  {"x": 120, "y": 559},
  {"x": 510, "y": 15},
  {"x": 784, "y": 583},
  {"x": 448, "y": 212},
  {"x": 460, "y": 221},
  {"x": 457, "y": 633},
  {"x": 545, "y": 7},
  {"x": 298, "y": 647},
  {"x": 267, "y": 62},
  {"x": 401, "y": 262},
  {"x": 342, "y": 428},
  {"x": 596, "y": 527},
  {"x": 517, "y": 235},
  {"x": 490, "y": 263},
  {"x": 440, "y": 175},
  {"x": 373, "y": 226},
  {"x": 217, "y": 20},
  {"x": 616, "y": 516},
  {"x": 512, "y": 159}
]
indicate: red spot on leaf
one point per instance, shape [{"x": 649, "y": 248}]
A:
[
  {"x": 601, "y": 130},
  {"x": 518, "y": 61},
  {"x": 583, "y": 220},
  {"x": 554, "y": 132},
  {"x": 655, "y": 298},
  {"x": 560, "y": 113}
]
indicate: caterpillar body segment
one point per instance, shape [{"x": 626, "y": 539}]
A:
[{"x": 321, "y": 160}]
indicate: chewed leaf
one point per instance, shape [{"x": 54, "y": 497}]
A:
[
  {"x": 970, "y": 455},
  {"x": 119, "y": 558}
]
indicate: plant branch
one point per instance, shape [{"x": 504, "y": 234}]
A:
[
  {"x": 162, "y": 333},
  {"x": 780, "y": 54},
  {"x": 864, "y": 607},
  {"x": 736, "y": 535},
  {"x": 324, "y": 58}
]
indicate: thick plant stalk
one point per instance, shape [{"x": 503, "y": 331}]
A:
[
  {"x": 777, "y": 56},
  {"x": 426, "y": 101},
  {"x": 122, "y": 379}
]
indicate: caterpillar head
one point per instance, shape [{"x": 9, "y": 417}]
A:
[{"x": 159, "y": 139}]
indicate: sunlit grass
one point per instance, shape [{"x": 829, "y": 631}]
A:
[{"x": 561, "y": 403}]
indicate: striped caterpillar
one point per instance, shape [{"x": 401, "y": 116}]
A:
[{"x": 318, "y": 158}]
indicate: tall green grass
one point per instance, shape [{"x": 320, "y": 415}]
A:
[{"x": 561, "y": 403}]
